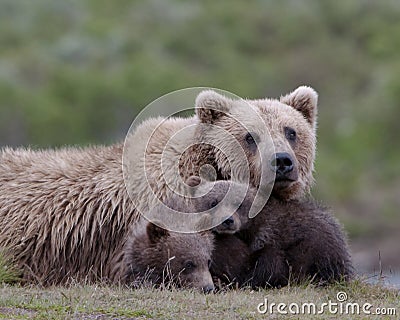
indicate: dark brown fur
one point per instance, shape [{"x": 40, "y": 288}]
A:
[
  {"x": 290, "y": 242},
  {"x": 231, "y": 260}
]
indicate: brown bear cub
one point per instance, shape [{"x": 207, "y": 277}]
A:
[
  {"x": 161, "y": 256},
  {"x": 287, "y": 242}
]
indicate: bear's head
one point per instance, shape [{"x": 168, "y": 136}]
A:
[
  {"x": 289, "y": 124},
  {"x": 164, "y": 257},
  {"x": 222, "y": 200}
]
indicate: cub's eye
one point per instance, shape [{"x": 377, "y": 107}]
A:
[
  {"x": 209, "y": 264},
  {"x": 250, "y": 139},
  {"x": 214, "y": 203},
  {"x": 189, "y": 265},
  {"x": 290, "y": 134}
]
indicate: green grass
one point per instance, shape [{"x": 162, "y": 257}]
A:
[
  {"x": 79, "y": 301},
  {"x": 8, "y": 273},
  {"x": 104, "y": 302}
]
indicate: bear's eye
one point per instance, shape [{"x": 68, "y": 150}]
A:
[
  {"x": 214, "y": 203},
  {"x": 250, "y": 139},
  {"x": 189, "y": 265},
  {"x": 290, "y": 134}
]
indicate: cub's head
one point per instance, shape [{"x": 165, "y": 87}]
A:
[
  {"x": 254, "y": 140},
  {"x": 223, "y": 201},
  {"x": 162, "y": 256}
]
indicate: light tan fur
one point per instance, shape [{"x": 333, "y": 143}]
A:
[{"x": 63, "y": 213}]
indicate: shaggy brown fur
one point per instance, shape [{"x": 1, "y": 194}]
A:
[
  {"x": 63, "y": 213},
  {"x": 231, "y": 260},
  {"x": 306, "y": 241}
]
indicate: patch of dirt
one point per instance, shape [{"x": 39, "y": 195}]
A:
[{"x": 14, "y": 311}]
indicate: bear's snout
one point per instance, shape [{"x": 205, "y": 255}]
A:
[
  {"x": 286, "y": 172},
  {"x": 282, "y": 163},
  {"x": 230, "y": 225},
  {"x": 228, "y": 222}
]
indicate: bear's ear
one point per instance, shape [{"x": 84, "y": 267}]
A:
[
  {"x": 304, "y": 99},
  {"x": 156, "y": 233},
  {"x": 210, "y": 106}
]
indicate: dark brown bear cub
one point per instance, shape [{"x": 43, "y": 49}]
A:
[
  {"x": 286, "y": 242},
  {"x": 160, "y": 256},
  {"x": 296, "y": 241}
]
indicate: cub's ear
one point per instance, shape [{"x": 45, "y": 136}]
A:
[
  {"x": 304, "y": 99},
  {"x": 193, "y": 181},
  {"x": 156, "y": 233},
  {"x": 210, "y": 106},
  {"x": 207, "y": 174}
]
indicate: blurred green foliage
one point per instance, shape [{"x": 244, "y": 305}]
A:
[{"x": 77, "y": 72}]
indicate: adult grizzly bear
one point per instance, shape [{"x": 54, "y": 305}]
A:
[{"x": 65, "y": 213}]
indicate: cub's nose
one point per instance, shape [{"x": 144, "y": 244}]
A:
[
  {"x": 208, "y": 288},
  {"x": 228, "y": 222},
  {"x": 282, "y": 163}
]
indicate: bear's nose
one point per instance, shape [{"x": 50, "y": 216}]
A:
[
  {"x": 282, "y": 163},
  {"x": 228, "y": 222}
]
